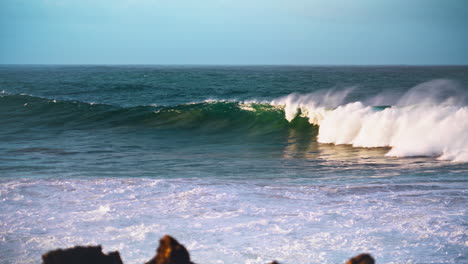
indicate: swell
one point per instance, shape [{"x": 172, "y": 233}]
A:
[
  {"x": 210, "y": 116},
  {"x": 431, "y": 119}
]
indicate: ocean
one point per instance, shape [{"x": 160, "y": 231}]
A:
[{"x": 241, "y": 164}]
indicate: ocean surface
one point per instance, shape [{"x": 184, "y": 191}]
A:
[{"x": 240, "y": 164}]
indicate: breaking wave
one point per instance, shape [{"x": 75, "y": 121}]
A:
[{"x": 430, "y": 119}]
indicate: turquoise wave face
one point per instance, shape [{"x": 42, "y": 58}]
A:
[{"x": 210, "y": 117}]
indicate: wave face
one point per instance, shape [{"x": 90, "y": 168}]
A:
[
  {"x": 209, "y": 116},
  {"x": 431, "y": 119}
]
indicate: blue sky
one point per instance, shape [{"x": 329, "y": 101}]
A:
[{"x": 316, "y": 32}]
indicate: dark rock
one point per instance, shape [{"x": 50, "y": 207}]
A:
[
  {"x": 170, "y": 252},
  {"x": 81, "y": 255},
  {"x": 361, "y": 259}
]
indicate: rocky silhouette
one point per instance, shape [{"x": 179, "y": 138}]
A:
[
  {"x": 81, "y": 255},
  {"x": 169, "y": 251},
  {"x": 361, "y": 259}
]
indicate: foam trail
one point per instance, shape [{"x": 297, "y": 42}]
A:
[{"x": 431, "y": 119}]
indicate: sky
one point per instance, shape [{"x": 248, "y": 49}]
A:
[{"x": 266, "y": 32}]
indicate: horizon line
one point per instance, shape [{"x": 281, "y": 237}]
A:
[{"x": 234, "y": 65}]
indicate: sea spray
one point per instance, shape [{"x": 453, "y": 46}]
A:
[
  {"x": 312, "y": 105},
  {"x": 431, "y": 119}
]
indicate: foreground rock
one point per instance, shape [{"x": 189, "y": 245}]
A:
[
  {"x": 170, "y": 251},
  {"x": 81, "y": 255},
  {"x": 361, "y": 259}
]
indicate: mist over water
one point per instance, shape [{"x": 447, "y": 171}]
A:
[{"x": 240, "y": 164}]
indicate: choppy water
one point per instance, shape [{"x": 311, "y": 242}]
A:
[{"x": 241, "y": 164}]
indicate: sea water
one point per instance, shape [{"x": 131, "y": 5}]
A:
[{"x": 240, "y": 164}]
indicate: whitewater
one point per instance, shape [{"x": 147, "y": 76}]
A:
[
  {"x": 431, "y": 119},
  {"x": 240, "y": 164}
]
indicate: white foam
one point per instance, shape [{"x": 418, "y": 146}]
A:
[
  {"x": 429, "y": 120},
  {"x": 235, "y": 221}
]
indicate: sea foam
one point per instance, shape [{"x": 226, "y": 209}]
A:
[
  {"x": 431, "y": 119},
  {"x": 237, "y": 221}
]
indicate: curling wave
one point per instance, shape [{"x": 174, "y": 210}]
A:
[{"x": 208, "y": 116}]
